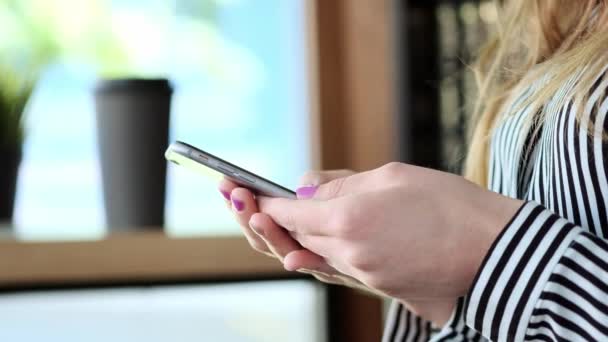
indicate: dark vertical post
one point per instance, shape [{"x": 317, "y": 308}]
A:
[
  {"x": 418, "y": 76},
  {"x": 402, "y": 84}
]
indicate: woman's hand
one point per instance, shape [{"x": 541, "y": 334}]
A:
[
  {"x": 276, "y": 242},
  {"x": 265, "y": 236},
  {"x": 408, "y": 232}
]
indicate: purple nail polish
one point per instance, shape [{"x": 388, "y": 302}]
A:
[
  {"x": 239, "y": 205},
  {"x": 306, "y": 192},
  {"x": 225, "y": 194}
]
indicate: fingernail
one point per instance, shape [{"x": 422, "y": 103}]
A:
[
  {"x": 226, "y": 194},
  {"x": 306, "y": 191},
  {"x": 257, "y": 230},
  {"x": 239, "y": 205}
]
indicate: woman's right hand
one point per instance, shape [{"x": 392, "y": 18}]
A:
[{"x": 265, "y": 236}]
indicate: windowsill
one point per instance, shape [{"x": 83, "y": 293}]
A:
[{"x": 126, "y": 258}]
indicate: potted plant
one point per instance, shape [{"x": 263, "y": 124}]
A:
[
  {"x": 25, "y": 51},
  {"x": 134, "y": 55},
  {"x": 15, "y": 92}
]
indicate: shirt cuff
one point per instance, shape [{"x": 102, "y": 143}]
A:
[
  {"x": 518, "y": 265},
  {"x": 455, "y": 329}
]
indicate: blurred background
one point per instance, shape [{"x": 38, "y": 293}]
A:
[
  {"x": 238, "y": 70},
  {"x": 278, "y": 87}
]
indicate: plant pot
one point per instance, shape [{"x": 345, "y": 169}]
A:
[
  {"x": 133, "y": 133},
  {"x": 9, "y": 170}
]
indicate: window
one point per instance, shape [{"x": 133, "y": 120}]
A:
[
  {"x": 278, "y": 311},
  {"x": 238, "y": 68}
]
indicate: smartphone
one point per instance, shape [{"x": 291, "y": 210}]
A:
[{"x": 192, "y": 158}]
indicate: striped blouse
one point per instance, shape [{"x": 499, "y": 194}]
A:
[{"x": 546, "y": 275}]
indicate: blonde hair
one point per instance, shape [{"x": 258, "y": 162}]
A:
[{"x": 535, "y": 39}]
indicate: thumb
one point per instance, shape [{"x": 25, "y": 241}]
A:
[{"x": 330, "y": 183}]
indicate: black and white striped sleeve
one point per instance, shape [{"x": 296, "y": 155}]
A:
[
  {"x": 404, "y": 326},
  {"x": 546, "y": 275},
  {"x": 543, "y": 279}
]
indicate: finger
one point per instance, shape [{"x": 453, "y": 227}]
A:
[
  {"x": 276, "y": 238},
  {"x": 330, "y": 249},
  {"x": 305, "y": 259},
  {"x": 320, "y": 177},
  {"x": 243, "y": 207},
  {"x": 323, "y": 246},
  {"x": 306, "y": 217},
  {"x": 225, "y": 187}
]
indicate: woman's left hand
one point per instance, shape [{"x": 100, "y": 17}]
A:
[{"x": 406, "y": 231}]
